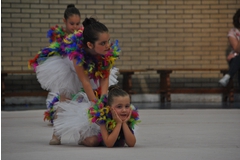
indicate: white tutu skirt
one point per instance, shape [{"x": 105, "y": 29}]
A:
[
  {"x": 58, "y": 76},
  {"x": 72, "y": 119}
]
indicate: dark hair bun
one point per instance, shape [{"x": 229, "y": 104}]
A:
[
  {"x": 89, "y": 21},
  {"x": 70, "y": 5},
  {"x": 113, "y": 87}
]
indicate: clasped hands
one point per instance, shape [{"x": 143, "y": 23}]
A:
[{"x": 117, "y": 118}]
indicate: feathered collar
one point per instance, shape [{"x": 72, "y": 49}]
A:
[
  {"x": 100, "y": 113},
  {"x": 96, "y": 67}
]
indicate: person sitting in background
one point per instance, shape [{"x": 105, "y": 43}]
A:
[{"x": 233, "y": 57}]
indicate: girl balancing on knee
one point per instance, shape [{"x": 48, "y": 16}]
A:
[
  {"x": 76, "y": 68},
  {"x": 112, "y": 116},
  {"x": 56, "y": 35}
]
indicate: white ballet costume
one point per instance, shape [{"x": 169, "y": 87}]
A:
[
  {"x": 58, "y": 76},
  {"x": 73, "y": 121}
]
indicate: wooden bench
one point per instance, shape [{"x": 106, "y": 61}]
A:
[
  {"x": 127, "y": 78},
  {"x": 165, "y": 89},
  {"x": 127, "y": 83},
  {"x": 5, "y": 73}
]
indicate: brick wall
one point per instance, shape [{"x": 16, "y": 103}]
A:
[{"x": 152, "y": 33}]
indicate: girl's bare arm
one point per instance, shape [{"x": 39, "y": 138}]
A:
[
  {"x": 83, "y": 77},
  {"x": 104, "y": 83},
  {"x": 110, "y": 139},
  {"x": 130, "y": 138},
  {"x": 235, "y": 44}
]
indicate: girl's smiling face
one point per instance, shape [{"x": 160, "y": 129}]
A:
[
  {"x": 72, "y": 23},
  {"x": 121, "y": 105}
]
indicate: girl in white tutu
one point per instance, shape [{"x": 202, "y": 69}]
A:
[
  {"x": 72, "y": 21},
  {"x": 82, "y": 62},
  {"x": 112, "y": 119}
]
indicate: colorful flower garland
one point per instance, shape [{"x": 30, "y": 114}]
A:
[
  {"x": 49, "y": 113},
  {"x": 56, "y": 34},
  {"x": 72, "y": 46},
  {"x": 100, "y": 113}
]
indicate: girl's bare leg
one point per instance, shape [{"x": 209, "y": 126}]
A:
[
  {"x": 91, "y": 141},
  {"x": 55, "y": 139}
]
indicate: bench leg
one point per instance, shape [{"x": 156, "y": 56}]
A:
[
  {"x": 168, "y": 87},
  {"x": 127, "y": 82},
  {"x": 162, "y": 87},
  {"x": 228, "y": 94},
  {"x": 165, "y": 85},
  {"x": 230, "y": 91},
  {"x": 162, "y": 97},
  {"x": 2, "y": 93}
]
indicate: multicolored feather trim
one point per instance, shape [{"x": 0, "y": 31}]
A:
[
  {"x": 49, "y": 114},
  {"x": 97, "y": 67},
  {"x": 100, "y": 113},
  {"x": 56, "y": 34}
]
